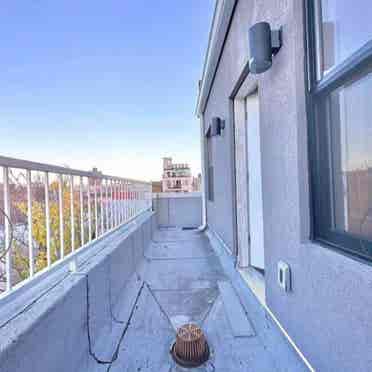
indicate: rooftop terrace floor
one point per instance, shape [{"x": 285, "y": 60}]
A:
[{"x": 182, "y": 280}]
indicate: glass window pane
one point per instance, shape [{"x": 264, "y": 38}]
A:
[
  {"x": 350, "y": 128},
  {"x": 345, "y": 27}
]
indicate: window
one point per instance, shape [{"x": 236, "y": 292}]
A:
[
  {"x": 210, "y": 169},
  {"x": 340, "y": 129},
  {"x": 342, "y": 28}
]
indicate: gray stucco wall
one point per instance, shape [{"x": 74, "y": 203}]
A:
[
  {"x": 327, "y": 313},
  {"x": 220, "y": 216}
]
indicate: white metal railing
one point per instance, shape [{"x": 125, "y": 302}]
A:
[{"x": 48, "y": 212}]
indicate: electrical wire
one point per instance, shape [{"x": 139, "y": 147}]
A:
[{"x": 116, "y": 351}]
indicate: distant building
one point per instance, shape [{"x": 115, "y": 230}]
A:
[
  {"x": 196, "y": 184},
  {"x": 176, "y": 177},
  {"x": 157, "y": 186}
]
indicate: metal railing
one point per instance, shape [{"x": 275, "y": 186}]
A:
[{"x": 48, "y": 212}]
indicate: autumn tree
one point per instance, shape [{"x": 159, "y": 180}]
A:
[{"x": 39, "y": 231}]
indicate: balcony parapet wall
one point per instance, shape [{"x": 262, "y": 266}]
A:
[
  {"x": 60, "y": 323},
  {"x": 182, "y": 210}
]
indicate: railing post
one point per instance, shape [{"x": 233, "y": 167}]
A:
[
  {"x": 115, "y": 204},
  {"x": 143, "y": 196},
  {"x": 133, "y": 199},
  {"x": 47, "y": 217},
  {"x": 130, "y": 209},
  {"x": 89, "y": 213},
  {"x": 112, "y": 222},
  {"x": 136, "y": 200},
  {"x": 29, "y": 222},
  {"x": 61, "y": 223},
  {"x": 149, "y": 197},
  {"x": 81, "y": 210},
  {"x": 96, "y": 207},
  {"x": 118, "y": 203},
  {"x": 101, "y": 201},
  {"x": 128, "y": 201},
  {"x": 125, "y": 201},
  {"x": 140, "y": 198},
  {"x": 106, "y": 205},
  {"x": 72, "y": 213},
  {"x": 122, "y": 202},
  {"x": 8, "y": 263}
]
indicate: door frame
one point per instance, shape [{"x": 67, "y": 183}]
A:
[
  {"x": 246, "y": 85},
  {"x": 254, "y": 187}
]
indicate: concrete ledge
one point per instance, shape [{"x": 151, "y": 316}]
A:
[
  {"x": 37, "y": 339},
  {"x": 121, "y": 266},
  {"x": 50, "y": 332}
]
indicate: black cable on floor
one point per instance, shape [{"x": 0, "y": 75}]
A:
[
  {"x": 116, "y": 352},
  {"x": 158, "y": 303}
]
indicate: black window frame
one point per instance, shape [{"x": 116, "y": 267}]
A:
[{"x": 355, "y": 65}]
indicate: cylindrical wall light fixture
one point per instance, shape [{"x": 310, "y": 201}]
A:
[{"x": 263, "y": 44}]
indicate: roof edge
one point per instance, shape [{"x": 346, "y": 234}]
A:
[{"x": 223, "y": 12}]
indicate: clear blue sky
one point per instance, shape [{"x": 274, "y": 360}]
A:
[{"x": 110, "y": 84}]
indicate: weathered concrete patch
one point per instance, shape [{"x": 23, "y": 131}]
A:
[
  {"x": 146, "y": 344},
  {"x": 195, "y": 249},
  {"x": 238, "y": 319},
  {"x": 123, "y": 307},
  {"x": 176, "y": 235},
  {"x": 184, "y": 274},
  {"x": 229, "y": 353},
  {"x": 184, "y": 307}
]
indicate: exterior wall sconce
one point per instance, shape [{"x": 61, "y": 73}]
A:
[
  {"x": 217, "y": 126},
  {"x": 263, "y": 44}
]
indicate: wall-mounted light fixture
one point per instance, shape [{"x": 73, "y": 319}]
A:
[
  {"x": 217, "y": 126},
  {"x": 263, "y": 44}
]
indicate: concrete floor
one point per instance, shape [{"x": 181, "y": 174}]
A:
[{"x": 179, "y": 283}]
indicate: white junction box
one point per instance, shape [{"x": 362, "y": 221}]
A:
[{"x": 284, "y": 276}]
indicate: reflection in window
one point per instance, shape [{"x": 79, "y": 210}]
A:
[
  {"x": 343, "y": 27},
  {"x": 350, "y": 113},
  {"x": 210, "y": 169}
]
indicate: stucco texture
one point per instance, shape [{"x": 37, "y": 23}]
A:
[{"x": 327, "y": 312}]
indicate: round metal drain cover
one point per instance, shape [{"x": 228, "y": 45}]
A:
[{"x": 191, "y": 348}]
